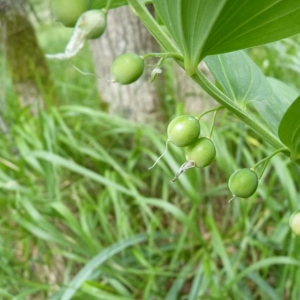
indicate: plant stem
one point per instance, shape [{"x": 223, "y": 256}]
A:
[
  {"x": 216, "y": 109},
  {"x": 267, "y": 159},
  {"x": 107, "y": 7},
  {"x": 248, "y": 119},
  {"x": 213, "y": 123},
  {"x": 168, "y": 45},
  {"x": 164, "y": 55}
]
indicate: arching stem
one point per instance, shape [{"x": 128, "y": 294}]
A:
[
  {"x": 214, "y": 121},
  {"x": 163, "y": 55},
  {"x": 215, "y": 109},
  {"x": 107, "y": 6},
  {"x": 266, "y": 160}
]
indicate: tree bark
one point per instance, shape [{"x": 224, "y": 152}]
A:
[
  {"x": 125, "y": 33},
  {"x": 141, "y": 101},
  {"x": 25, "y": 59}
]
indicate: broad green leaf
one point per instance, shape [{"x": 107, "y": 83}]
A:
[
  {"x": 248, "y": 23},
  {"x": 283, "y": 96},
  {"x": 189, "y": 23},
  {"x": 245, "y": 84},
  {"x": 239, "y": 77},
  {"x": 284, "y": 91},
  {"x": 205, "y": 27},
  {"x": 289, "y": 129},
  {"x": 97, "y": 4}
]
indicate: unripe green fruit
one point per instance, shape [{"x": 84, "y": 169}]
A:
[
  {"x": 202, "y": 152},
  {"x": 295, "y": 222},
  {"x": 95, "y": 21},
  {"x": 68, "y": 11},
  {"x": 183, "y": 130},
  {"x": 127, "y": 68},
  {"x": 243, "y": 183}
]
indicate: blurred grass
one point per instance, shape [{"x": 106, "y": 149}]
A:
[
  {"x": 71, "y": 86},
  {"x": 280, "y": 60},
  {"x": 83, "y": 218}
]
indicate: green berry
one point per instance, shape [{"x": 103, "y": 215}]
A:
[
  {"x": 183, "y": 130},
  {"x": 199, "y": 154},
  {"x": 94, "y": 21},
  {"x": 243, "y": 183},
  {"x": 127, "y": 68},
  {"x": 202, "y": 152},
  {"x": 295, "y": 222},
  {"x": 68, "y": 11}
]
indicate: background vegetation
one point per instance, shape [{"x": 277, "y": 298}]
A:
[{"x": 83, "y": 218}]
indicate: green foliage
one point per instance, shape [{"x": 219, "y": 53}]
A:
[
  {"x": 245, "y": 84},
  {"x": 189, "y": 23},
  {"x": 72, "y": 87},
  {"x": 289, "y": 129},
  {"x": 201, "y": 27},
  {"x": 231, "y": 26},
  {"x": 97, "y": 4},
  {"x": 77, "y": 190},
  {"x": 83, "y": 218},
  {"x": 280, "y": 60}
]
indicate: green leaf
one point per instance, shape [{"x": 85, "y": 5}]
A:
[
  {"x": 97, "y": 4},
  {"x": 95, "y": 292},
  {"x": 97, "y": 261},
  {"x": 248, "y": 23},
  {"x": 289, "y": 129},
  {"x": 245, "y": 84},
  {"x": 189, "y": 22},
  {"x": 206, "y": 27},
  {"x": 286, "y": 93},
  {"x": 73, "y": 166},
  {"x": 241, "y": 80},
  {"x": 261, "y": 264},
  {"x": 274, "y": 108}
]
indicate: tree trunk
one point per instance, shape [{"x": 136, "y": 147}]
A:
[
  {"x": 25, "y": 59},
  {"x": 141, "y": 101},
  {"x": 137, "y": 101}
]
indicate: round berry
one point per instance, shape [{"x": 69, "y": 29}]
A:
[
  {"x": 127, "y": 68},
  {"x": 68, "y": 11},
  {"x": 295, "y": 222},
  {"x": 202, "y": 152},
  {"x": 243, "y": 183},
  {"x": 183, "y": 130},
  {"x": 95, "y": 21}
]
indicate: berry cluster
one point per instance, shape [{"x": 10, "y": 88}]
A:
[{"x": 184, "y": 131}]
